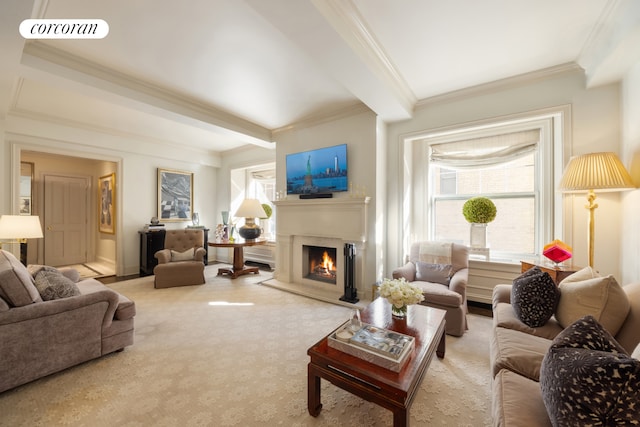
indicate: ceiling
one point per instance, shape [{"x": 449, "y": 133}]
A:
[{"x": 220, "y": 74}]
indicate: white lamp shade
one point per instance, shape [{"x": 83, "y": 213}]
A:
[
  {"x": 595, "y": 171},
  {"x": 251, "y": 208},
  {"x": 20, "y": 227}
]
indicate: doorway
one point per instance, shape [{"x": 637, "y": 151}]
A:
[{"x": 66, "y": 186}]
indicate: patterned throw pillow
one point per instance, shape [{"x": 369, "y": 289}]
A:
[
  {"x": 586, "y": 378},
  {"x": 534, "y": 297},
  {"x": 52, "y": 284},
  {"x": 434, "y": 273}
]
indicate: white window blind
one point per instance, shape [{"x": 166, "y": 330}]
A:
[{"x": 485, "y": 151}]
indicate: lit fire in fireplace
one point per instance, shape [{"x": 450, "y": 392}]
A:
[{"x": 322, "y": 268}]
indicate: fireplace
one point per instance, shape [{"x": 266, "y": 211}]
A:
[
  {"x": 331, "y": 225},
  {"x": 320, "y": 263}
]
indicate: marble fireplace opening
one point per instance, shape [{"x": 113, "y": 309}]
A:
[{"x": 320, "y": 263}]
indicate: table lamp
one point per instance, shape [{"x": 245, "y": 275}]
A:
[
  {"x": 20, "y": 228},
  {"x": 594, "y": 171},
  {"x": 250, "y": 209}
]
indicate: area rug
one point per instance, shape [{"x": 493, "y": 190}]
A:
[{"x": 233, "y": 353}]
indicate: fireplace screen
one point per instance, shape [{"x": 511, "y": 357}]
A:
[{"x": 321, "y": 263}]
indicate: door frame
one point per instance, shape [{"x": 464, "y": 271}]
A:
[{"x": 39, "y": 145}]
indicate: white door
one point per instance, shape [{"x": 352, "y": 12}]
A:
[{"x": 65, "y": 219}]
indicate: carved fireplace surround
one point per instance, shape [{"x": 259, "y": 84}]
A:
[{"x": 319, "y": 222}]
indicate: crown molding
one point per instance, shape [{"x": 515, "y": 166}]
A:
[
  {"x": 503, "y": 84},
  {"x": 146, "y": 92},
  {"x": 346, "y": 19}
]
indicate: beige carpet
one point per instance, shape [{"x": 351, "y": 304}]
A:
[{"x": 233, "y": 353}]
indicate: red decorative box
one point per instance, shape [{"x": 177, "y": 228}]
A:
[{"x": 557, "y": 251}]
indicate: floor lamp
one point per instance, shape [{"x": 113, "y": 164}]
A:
[
  {"x": 19, "y": 228},
  {"x": 590, "y": 172}
]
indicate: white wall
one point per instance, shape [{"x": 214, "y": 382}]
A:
[
  {"x": 630, "y": 256},
  {"x": 359, "y": 132},
  {"x": 595, "y": 125}
]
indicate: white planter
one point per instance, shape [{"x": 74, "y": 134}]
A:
[{"x": 478, "y": 236}]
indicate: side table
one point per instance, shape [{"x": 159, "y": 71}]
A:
[
  {"x": 557, "y": 272},
  {"x": 238, "y": 245}
]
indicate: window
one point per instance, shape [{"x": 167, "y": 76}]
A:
[
  {"x": 510, "y": 185},
  {"x": 261, "y": 185},
  {"x": 512, "y": 163}
]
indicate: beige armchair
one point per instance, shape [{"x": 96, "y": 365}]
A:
[
  {"x": 180, "y": 263},
  {"x": 441, "y": 270}
]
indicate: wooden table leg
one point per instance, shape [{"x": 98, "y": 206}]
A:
[
  {"x": 441, "y": 346},
  {"x": 313, "y": 391},
  {"x": 401, "y": 418},
  {"x": 238, "y": 258}
]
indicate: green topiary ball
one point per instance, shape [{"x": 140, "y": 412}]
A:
[
  {"x": 267, "y": 209},
  {"x": 479, "y": 210}
]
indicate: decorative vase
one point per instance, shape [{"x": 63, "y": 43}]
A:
[
  {"x": 399, "y": 313},
  {"x": 478, "y": 237}
]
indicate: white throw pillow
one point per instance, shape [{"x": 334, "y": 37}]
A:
[
  {"x": 586, "y": 292},
  {"x": 187, "y": 255},
  {"x": 636, "y": 352}
]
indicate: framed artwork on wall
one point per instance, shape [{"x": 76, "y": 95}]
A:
[
  {"x": 107, "y": 203},
  {"x": 26, "y": 187},
  {"x": 175, "y": 195}
]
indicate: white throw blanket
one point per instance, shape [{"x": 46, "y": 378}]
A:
[{"x": 435, "y": 252}]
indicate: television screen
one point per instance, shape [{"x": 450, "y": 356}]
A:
[{"x": 323, "y": 170}]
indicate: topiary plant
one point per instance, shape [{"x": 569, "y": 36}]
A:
[
  {"x": 479, "y": 210},
  {"x": 267, "y": 210}
]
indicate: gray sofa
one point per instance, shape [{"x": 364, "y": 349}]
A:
[
  {"x": 80, "y": 320},
  {"x": 517, "y": 353}
]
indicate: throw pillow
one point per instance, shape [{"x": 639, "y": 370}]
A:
[
  {"x": 586, "y": 292},
  {"x": 586, "y": 378},
  {"x": 54, "y": 285},
  {"x": 16, "y": 284},
  {"x": 434, "y": 273},
  {"x": 187, "y": 255},
  {"x": 534, "y": 297},
  {"x": 636, "y": 352}
]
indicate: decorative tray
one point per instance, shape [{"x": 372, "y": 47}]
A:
[{"x": 382, "y": 347}]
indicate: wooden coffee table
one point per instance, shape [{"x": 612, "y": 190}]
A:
[{"x": 392, "y": 390}]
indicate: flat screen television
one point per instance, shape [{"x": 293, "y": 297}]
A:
[{"x": 323, "y": 170}]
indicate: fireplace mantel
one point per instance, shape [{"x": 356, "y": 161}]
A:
[{"x": 344, "y": 218}]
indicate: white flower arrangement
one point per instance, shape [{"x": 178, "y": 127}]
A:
[{"x": 400, "y": 293}]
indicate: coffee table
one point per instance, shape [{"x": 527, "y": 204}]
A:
[
  {"x": 238, "y": 256},
  {"x": 391, "y": 390}
]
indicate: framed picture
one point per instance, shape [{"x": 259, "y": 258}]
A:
[
  {"x": 107, "y": 201},
  {"x": 26, "y": 190},
  {"x": 175, "y": 195},
  {"x": 25, "y": 205}
]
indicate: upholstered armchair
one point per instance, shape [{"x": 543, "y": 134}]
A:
[
  {"x": 441, "y": 270},
  {"x": 180, "y": 263}
]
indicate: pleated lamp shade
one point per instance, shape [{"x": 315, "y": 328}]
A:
[{"x": 595, "y": 171}]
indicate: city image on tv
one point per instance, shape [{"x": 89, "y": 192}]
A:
[{"x": 318, "y": 171}]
